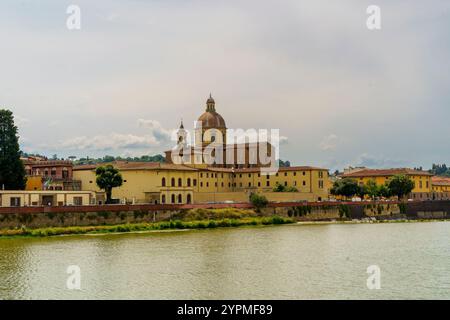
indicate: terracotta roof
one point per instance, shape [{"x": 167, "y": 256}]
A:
[
  {"x": 281, "y": 169},
  {"x": 385, "y": 172},
  {"x": 124, "y": 165},
  {"x": 440, "y": 181}
]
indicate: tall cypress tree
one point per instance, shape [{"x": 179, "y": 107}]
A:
[{"x": 12, "y": 171}]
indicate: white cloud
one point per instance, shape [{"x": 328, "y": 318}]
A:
[
  {"x": 156, "y": 130},
  {"x": 329, "y": 142},
  {"x": 371, "y": 161}
]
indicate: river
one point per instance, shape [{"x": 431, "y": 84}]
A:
[{"x": 279, "y": 262}]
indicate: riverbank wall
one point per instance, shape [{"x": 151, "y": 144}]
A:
[{"x": 39, "y": 217}]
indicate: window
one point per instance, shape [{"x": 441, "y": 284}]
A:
[
  {"x": 304, "y": 183},
  {"x": 207, "y": 175},
  {"x": 65, "y": 173},
  {"x": 222, "y": 184},
  {"x": 14, "y": 202},
  {"x": 249, "y": 175},
  {"x": 285, "y": 174},
  {"x": 173, "y": 198},
  {"x": 163, "y": 198},
  {"x": 180, "y": 182},
  {"x": 53, "y": 172},
  {"x": 201, "y": 175},
  {"x": 189, "y": 182},
  {"x": 295, "y": 173},
  {"x": 320, "y": 184},
  {"x": 276, "y": 174},
  {"x": 207, "y": 184},
  {"x": 180, "y": 198},
  {"x": 304, "y": 173},
  {"x": 163, "y": 182},
  {"x": 201, "y": 184},
  {"x": 189, "y": 198},
  {"x": 249, "y": 184},
  {"x": 240, "y": 184},
  {"x": 420, "y": 184},
  {"x": 172, "y": 182},
  {"x": 259, "y": 184},
  {"x": 320, "y": 174},
  {"x": 78, "y": 201},
  {"x": 285, "y": 183},
  {"x": 268, "y": 183},
  {"x": 195, "y": 182}
]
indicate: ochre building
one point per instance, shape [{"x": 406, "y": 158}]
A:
[
  {"x": 198, "y": 182},
  {"x": 422, "y": 179}
]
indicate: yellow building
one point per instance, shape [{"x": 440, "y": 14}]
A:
[
  {"x": 197, "y": 181},
  {"x": 422, "y": 179},
  {"x": 15, "y": 198},
  {"x": 440, "y": 184},
  {"x": 146, "y": 182}
]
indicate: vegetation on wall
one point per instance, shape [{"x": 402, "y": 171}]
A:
[
  {"x": 258, "y": 201},
  {"x": 12, "y": 171},
  {"x": 281, "y": 188}
]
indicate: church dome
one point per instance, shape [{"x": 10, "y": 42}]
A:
[{"x": 211, "y": 119}]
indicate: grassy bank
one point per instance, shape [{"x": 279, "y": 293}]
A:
[{"x": 135, "y": 227}]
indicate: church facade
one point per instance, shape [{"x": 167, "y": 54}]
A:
[{"x": 187, "y": 177}]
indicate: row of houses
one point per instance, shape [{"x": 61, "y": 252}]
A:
[{"x": 59, "y": 183}]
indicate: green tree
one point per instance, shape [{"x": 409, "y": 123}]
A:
[
  {"x": 384, "y": 191},
  {"x": 12, "y": 171},
  {"x": 400, "y": 185},
  {"x": 372, "y": 189},
  {"x": 346, "y": 187},
  {"x": 278, "y": 188},
  {"x": 108, "y": 178},
  {"x": 258, "y": 201}
]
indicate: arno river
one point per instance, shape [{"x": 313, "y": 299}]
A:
[{"x": 282, "y": 262}]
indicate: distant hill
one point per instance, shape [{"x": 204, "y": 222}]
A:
[{"x": 155, "y": 158}]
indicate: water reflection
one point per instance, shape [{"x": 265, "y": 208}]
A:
[{"x": 286, "y": 262}]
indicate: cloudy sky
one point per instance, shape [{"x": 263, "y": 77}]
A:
[{"x": 340, "y": 93}]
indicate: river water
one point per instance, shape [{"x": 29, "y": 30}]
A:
[{"x": 279, "y": 262}]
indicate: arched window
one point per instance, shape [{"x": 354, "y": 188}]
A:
[
  {"x": 180, "y": 182},
  {"x": 163, "y": 182},
  {"x": 180, "y": 198},
  {"x": 173, "y": 182},
  {"x": 173, "y": 198},
  {"x": 188, "y": 198},
  {"x": 163, "y": 198},
  {"x": 189, "y": 182}
]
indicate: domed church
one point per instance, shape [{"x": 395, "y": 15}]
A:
[
  {"x": 210, "y": 130},
  {"x": 210, "y": 126}
]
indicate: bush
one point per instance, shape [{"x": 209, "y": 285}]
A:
[{"x": 258, "y": 201}]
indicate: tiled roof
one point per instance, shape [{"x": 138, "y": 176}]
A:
[
  {"x": 440, "y": 181},
  {"x": 385, "y": 172},
  {"x": 125, "y": 165},
  {"x": 281, "y": 169}
]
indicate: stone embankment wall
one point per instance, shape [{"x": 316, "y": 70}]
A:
[{"x": 36, "y": 217}]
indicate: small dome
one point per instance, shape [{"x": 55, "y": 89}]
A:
[{"x": 210, "y": 100}]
